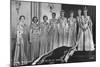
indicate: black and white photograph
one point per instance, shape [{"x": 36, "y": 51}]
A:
[{"x": 45, "y": 33}]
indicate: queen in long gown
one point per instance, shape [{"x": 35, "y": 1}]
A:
[
  {"x": 35, "y": 38},
  {"x": 72, "y": 31},
  {"x": 87, "y": 34},
  {"x": 20, "y": 57}
]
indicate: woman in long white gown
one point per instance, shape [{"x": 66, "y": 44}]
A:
[
  {"x": 34, "y": 38},
  {"x": 19, "y": 51},
  {"x": 61, "y": 24},
  {"x": 80, "y": 31},
  {"x": 54, "y": 30},
  {"x": 72, "y": 30},
  {"x": 86, "y": 25},
  {"x": 44, "y": 36}
]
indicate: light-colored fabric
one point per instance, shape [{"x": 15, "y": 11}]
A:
[
  {"x": 35, "y": 39},
  {"x": 72, "y": 32},
  {"x": 61, "y": 26},
  {"x": 80, "y": 34},
  {"x": 54, "y": 33},
  {"x": 43, "y": 38},
  {"x": 66, "y": 33},
  {"x": 20, "y": 44},
  {"x": 89, "y": 45},
  {"x": 85, "y": 35}
]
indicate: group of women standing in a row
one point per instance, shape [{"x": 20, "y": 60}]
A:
[{"x": 46, "y": 36}]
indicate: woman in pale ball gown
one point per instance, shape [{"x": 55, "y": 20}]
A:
[
  {"x": 44, "y": 36},
  {"x": 61, "y": 21},
  {"x": 35, "y": 38},
  {"x": 72, "y": 30},
  {"x": 87, "y": 32},
  {"x": 19, "y": 51},
  {"x": 54, "y": 30}
]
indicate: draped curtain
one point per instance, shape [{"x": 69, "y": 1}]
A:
[{"x": 36, "y": 10}]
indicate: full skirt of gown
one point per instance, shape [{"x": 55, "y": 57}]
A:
[{"x": 85, "y": 41}]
